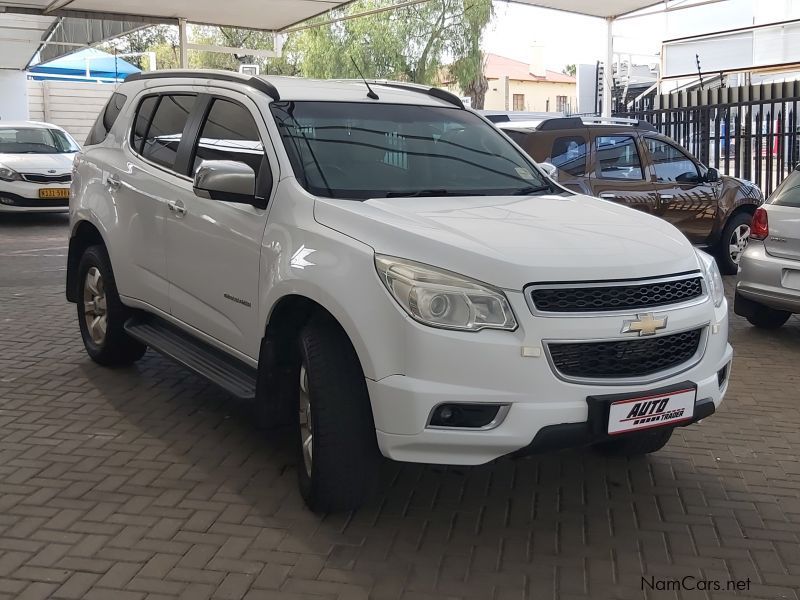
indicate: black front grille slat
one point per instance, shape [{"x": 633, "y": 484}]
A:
[
  {"x": 616, "y": 297},
  {"x": 38, "y": 178},
  {"x": 624, "y": 358}
]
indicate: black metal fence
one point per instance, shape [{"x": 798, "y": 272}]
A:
[{"x": 749, "y": 132}]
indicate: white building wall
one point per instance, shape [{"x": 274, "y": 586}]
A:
[
  {"x": 14, "y": 96},
  {"x": 73, "y": 106}
]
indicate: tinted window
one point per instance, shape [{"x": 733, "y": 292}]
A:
[
  {"x": 106, "y": 118},
  {"x": 617, "y": 157},
  {"x": 35, "y": 140},
  {"x": 360, "y": 151},
  {"x": 671, "y": 164},
  {"x": 166, "y": 129},
  {"x": 229, "y": 133},
  {"x": 569, "y": 155},
  {"x": 788, "y": 193},
  {"x": 142, "y": 121}
]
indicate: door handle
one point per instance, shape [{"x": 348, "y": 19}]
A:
[
  {"x": 113, "y": 182},
  {"x": 177, "y": 207}
]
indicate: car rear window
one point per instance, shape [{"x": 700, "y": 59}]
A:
[
  {"x": 106, "y": 119},
  {"x": 788, "y": 193}
]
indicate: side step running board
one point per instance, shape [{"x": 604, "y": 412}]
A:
[{"x": 235, "y": 377}]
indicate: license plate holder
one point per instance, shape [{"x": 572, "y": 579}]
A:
[
  {"x": 616, "y": 414},
  {"x": 53, "y": 193}
]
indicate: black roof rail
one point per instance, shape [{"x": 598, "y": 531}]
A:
[
  {"x": 557, "y": 123},
  {"x": 431, "y": 91},
  {"x": 262, "y": 85}
]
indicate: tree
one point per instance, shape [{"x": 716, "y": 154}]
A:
[
  {"x": 408, "y": 43},
  {"x": 570, "y": 70}
]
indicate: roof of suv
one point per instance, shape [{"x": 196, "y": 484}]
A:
[
  {"x": 559, "y": 124},
  {"x": 296, "y": 88}
]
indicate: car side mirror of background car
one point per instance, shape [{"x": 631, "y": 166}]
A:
[
  {"x": 227, "y": 180},
  {"x": 712, "y": 175},
  {"x": 550, "y": 170}
]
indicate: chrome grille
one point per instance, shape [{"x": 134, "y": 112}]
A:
[
  {"x": 620, "y": 359},
  {"x": 39, "y": 178},
  {"x": 607, "y": 298}
]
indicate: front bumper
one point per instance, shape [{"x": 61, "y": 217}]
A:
[
  {"x": 761, "y": 280},
  {"x": 23, "y": 196},
  {"x": 492, "y": 367}
]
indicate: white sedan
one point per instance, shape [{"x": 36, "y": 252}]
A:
[{"x": 35, "y": 167}]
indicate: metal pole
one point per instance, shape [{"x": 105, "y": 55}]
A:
[
  {"x": 183, "y": 41},
  {"x": 608, "y": 71}
]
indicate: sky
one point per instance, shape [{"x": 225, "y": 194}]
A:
[{"x": 569, "y": 38}]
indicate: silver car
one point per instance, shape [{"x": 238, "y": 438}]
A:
[{"x": 768, "y": 290}]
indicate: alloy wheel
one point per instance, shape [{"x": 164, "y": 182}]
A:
[
  {"x": 738, "y": 242},
  {"x": 95, "y": 310},
  {"x": 306, "y": 429}
]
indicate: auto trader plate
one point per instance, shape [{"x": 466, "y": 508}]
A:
[
  {"x": 659, "y": 410},
  {"x": 53, "y": 193}
]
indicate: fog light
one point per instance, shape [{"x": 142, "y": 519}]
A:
[
  {"x": 468, "y": 415},
  {"x": 7, "y": 201}
]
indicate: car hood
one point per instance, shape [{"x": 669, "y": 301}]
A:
[
  {"x": 38, "y": 163},
  {"x": 512, "y": 241}
]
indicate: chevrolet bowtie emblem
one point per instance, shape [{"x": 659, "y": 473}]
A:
[{"x": 647, "y": 324}]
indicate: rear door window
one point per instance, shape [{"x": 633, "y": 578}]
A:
[
  {"x": 569, "y": 155},
  {"x": 165, "y": 131},
  {"x": 143, "y": 115},
  {"x": 618, "y": 158}
]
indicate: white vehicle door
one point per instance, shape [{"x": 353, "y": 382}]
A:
[
  {"x": 142, "y": 184},
  {"x": 214, "y": 246}
]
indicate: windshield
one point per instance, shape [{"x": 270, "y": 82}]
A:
[
  {"x": 35, "y": 140},
  {"x": 360, "y": 151}
]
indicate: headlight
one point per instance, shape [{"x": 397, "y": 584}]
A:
[
  {"x": 443, "y": 299},
  {"x": 713, "y": 277},
  {"x": 7, "y": 174}
]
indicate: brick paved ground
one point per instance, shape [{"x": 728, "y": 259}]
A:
[{"x": 148, "y": 483}]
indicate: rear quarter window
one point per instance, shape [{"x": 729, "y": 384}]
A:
[
  {"x": 106, "y": 119},
  {"x": 569, "y": 155}
]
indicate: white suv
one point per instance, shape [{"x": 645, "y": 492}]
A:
[{"x": 389, "y": 271}]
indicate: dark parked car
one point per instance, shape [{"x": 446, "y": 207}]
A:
[{"x": 629, "y": 162}]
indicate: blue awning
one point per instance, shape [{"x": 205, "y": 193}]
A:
[{"x": 101, "y": 66}]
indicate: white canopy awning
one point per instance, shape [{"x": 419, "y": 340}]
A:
[{"x": 604, "y": 9}]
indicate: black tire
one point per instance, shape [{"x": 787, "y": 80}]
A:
[
  {"x": 344, "y": 447},
  {"x": 727, "y": 265},
  {"x": 765, "y": 317},
  {"x": 636, "y": 444},
  {"x": 116, "y": 348}
]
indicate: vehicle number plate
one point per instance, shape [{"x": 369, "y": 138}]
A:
[
  {"x": 649, "y": 411},
  {"x": 53, "y": 193}
]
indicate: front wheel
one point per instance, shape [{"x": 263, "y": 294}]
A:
[
  {"x": 636, "y": 444},
  {"x": 336, "y": 446},
  {"x": 101, "y": 314},
  {"x": 733, "y": 242}
]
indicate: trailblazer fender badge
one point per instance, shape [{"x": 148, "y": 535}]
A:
[{"x": 646, "y": 324}]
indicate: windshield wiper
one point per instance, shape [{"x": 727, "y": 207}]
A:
[
  {"x": 433, "y": 192},
  {"x": 531, "y": 190}
]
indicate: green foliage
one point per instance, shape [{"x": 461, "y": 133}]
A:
[
  {"x": 409, "y": 44},
  {"x": 570, "y": 70}
]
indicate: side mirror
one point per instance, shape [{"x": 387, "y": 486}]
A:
[
  {"x": 550, "y": 170},
  {"x": 227, "y": 180},
  {"x": 712, "y": 175}
]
